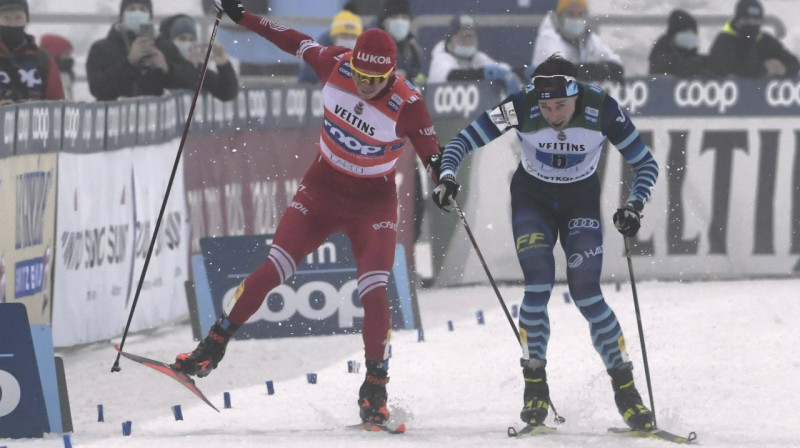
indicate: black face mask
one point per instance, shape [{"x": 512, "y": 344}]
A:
[
  {"x": 12, "y": 36},
  {"x": 749, "y": 31},
  {"x": 66, "y": 65}
]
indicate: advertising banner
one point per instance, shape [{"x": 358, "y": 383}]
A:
[
  {"x": 107, "y": 212},
  {"x": 28, "y": 204}
]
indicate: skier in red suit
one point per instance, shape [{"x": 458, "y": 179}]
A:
[{"x": 370, "y": 115}]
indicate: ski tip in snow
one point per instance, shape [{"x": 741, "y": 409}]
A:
[
  {"x": 530, "y": 430},
  {"x": 378, "y": 427},
  {"x": 655, "y": 433}
]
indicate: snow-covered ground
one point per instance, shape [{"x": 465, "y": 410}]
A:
[{"x": 724, "y": 362}]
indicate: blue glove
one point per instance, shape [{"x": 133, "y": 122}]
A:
[{"x": 495, "y": 72}]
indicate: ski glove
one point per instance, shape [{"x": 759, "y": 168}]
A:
[
  {"x": 434, "y": 167},
  {"x": 627, "y": 219},
  {"x": 234, "y": 9},
  {"x": 445, "y": 191}
]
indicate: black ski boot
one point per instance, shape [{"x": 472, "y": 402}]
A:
[
  {"x": 372, "y": 395},
  {"x": 209, "y": 352},
  {"x": 629, "y": 402},
  {"x": 536, "y": 398}
]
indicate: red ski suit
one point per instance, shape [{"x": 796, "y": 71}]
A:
[{"x": 350, "y": 185}]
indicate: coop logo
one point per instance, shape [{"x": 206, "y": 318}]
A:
[
  {"x": 583, "y": 223},
  {"x": 352, "y": 144},
  {"x": 783, "y": 93},
  {"x": 314, "y": 300},
  {"x": 631, "y": 96},
  {"x": 459, "y": 99},
  {"x": 707, "y": 94},
  {"x": 40, "y": 124}
]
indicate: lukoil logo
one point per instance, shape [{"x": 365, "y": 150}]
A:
[
  {"x": 709, "y": 94},
  {"x": 300, "y": 302},
  {"x": 459, "y": 99},
  {"x": 783, "y": 93},
  {"x": 373, "y": 59}
]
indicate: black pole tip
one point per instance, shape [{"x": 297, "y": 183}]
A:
[{"x": 115, "y": 368}]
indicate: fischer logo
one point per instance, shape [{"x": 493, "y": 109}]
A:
[
  {"x": 373, "y": 59},
  {"x": 456, "y": 99},
  {"x": 783, "y": 93},
  {"x": 283, "y": 302},
  {"x": 709, "y": 94},
  {"x": 632, "y": 96},
  {"x": 12, "y": 393}
]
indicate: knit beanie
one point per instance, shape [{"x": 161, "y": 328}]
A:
[
  {"x": 147, "y": 3},
  {"x": 375, "y": 51},
  {"x": 346, "y": 23},
  {"x": 680, "y": 20},
  {"x": 749, "y": 9},
  {"x": 15, "y": 5},
  {"x": 394, "y": 7},
  {"x": 182, "y": 24},
  {"x": 564, "y": 4},
  {"x": 459, "y": 22}
]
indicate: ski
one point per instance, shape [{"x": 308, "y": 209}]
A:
[
  {"x": 655, "y": 433},
  {"x": 168, "y": 370},
  {"x": 379, "y": 427},
  {"x": 530, "y": 430}
]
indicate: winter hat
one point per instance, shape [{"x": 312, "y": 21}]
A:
[
  {"x": 346, "y": 23},
  {"x": 125, "y": 3},
  {"x": 182, "y": 24},
  {"x": 459, "y": 22},
  {"x": 680, "y": 20},
  {"x": 564, "y": 4},
  {"x": 15, "y": 5},
  {"x": 394, "y": 7},
  {"x": 375, "y": 51},
  {"x": 749, "y": 9},
  {"x": 55, "y": 45}
]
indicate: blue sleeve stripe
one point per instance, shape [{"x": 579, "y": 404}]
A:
[
  {"x": 472, "y": 143},
  {"x": 645, "y": 175},
  {"x": 640, "y": 154},
  {"x": 624, "y": 144}
]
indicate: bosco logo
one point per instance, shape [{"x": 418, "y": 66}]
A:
[
  {"x": 709, "y": 94},
  {"x": 304, "y": 302},
  {"x": 632, "y": 96},
  {"x": 9, "y": 399},
  {"x": 783, "y": 93},
  {"x": 456, "y": 99}
]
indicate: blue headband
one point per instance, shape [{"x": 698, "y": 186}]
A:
[{"x": 554, "y": 86}]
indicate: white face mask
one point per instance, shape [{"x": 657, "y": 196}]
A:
[
  {"x": 348, "y": 42},
  {"x": 185, "y": 46},
  {"x": 686, "y": 39},
  {"x": 398, "y": 28},
  {"x": 464, "y": 51},
  {"x": 133, "y": 20},
  {"x": 574, "y": 28}
]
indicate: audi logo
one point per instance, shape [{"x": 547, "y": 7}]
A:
[
  {"x": 456, "y": 99},
  {"x": 583, "y": 223},
  {"x": 631, "y": 96},
  {"x": 709, "y": 94},
  {"x": 783, "y": 93}
]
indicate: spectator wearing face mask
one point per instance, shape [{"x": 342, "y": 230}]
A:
[
  {"x": 177, "y": 40},
  {"x": 457, "y": 58},
  {"x": 564, "y": 31},
  {"x": 395, "y": 19},
  {"x": 126, "y": 62},
  {"x": 26, "y": 71},
  {"x": 675, "y": 53},
  {"x": 742, "y": 49},
  {"x": 345, "y": 29},
  {"x": 61, "y": 50}
]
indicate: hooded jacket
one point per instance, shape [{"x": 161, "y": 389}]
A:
[
  {"x": 28, "y": 73},
  {"x": 666, "y": 58},
  {"x": 734, "y": 54}
]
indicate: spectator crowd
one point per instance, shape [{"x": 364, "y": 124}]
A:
[{"x": 138, "y": 58}]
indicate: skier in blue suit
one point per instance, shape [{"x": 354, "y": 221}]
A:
[{"x": 562, "y": 125}]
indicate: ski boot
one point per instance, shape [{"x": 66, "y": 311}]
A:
[
  {"x": 209, "y": 352},
  {"x": 372, "y": 395},
  {"x": 629, "y": 402},
  {"x": 536, "y": 398}
]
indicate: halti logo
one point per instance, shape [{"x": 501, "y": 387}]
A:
[{"x": 372, "y": 59}]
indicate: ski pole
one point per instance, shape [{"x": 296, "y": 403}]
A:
[
  {"x": 641, "y": 330},
  {"x": 115, "y": 367},
  {"x": 556, "y": 417}
]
